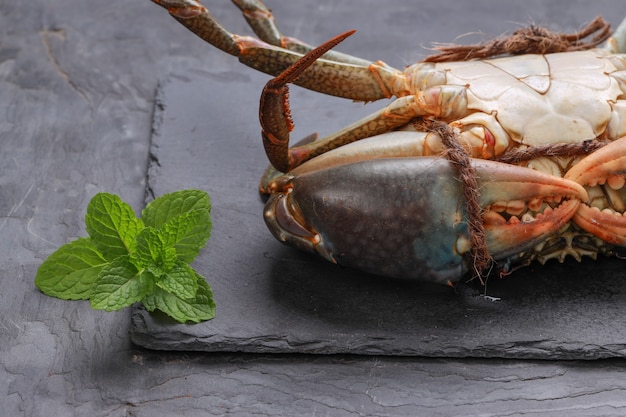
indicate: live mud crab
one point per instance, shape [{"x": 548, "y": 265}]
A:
[{"x": 382, "y": 196}]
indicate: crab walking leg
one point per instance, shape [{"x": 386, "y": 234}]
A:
[
  {"x": 479, "y": 133},
  {"x": 399, "y": 113},
  {"x": 604, "y": 171},
  {"x": 285, "y": 159},
  {"x": 393, "y": 144},
  {"x": 442, "y": 102},
  {"x": 261, "y": 21},
  {"x": 274, "y": 113},
  {"x": 360, "y": 80}
]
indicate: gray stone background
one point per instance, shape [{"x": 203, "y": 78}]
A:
[{"x": 78, "y": 87}]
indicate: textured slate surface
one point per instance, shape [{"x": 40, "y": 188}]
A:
[
  {"x": 274, "y": 299},
  {"x": 77, "y": 85}
]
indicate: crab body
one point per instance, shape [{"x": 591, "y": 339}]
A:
[
  {"x": 535, "y": 99},
  {"x": 381, "y": 196}
]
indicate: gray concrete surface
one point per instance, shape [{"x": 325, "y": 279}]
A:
[{"x": 77, "y": 88}]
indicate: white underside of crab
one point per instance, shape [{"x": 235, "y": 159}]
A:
[
  {"x": 529, "y": 100},
  {"x": 542, "y": 99}
]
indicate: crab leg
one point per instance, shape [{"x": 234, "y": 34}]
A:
[
  {"x": 405, "y": 217},
  {"x": 443, "y": 102},
  {"x": 361, "y": 80},
  {"x": 438, "y": 102},
  {"x": 603, "y": 173},
  {"x": 274, "y": 113},
  {"x": 261, "y": 21}
]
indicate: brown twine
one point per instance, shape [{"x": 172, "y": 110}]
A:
[
  {"x": 530, "y": 40},
  {"x": 456, "y": 153}
]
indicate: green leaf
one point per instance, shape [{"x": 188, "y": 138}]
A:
[
  {"x": 69, "y": 273},
  {"x": 188, "y": 233},
  {"x": 120, "y": 284},
  {"x": 126, "y": 260},
  {"x": 153, "y": 253},
  {"x": 170, "y": 206},
  {"x": 184, "y": 217},
  {"x": 181, "y": 280},
  {"x": 112, "y": 225},
  {"x": 197, "y": 309}
]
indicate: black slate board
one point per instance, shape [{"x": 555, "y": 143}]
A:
[
  {"x": 272, "y": 298},
  {"x": 61, "y": 358}
]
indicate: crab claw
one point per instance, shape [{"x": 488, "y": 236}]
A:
[
  {"x": 523, "y": 206},
  {"x": 405, "y": 217},
  {"x": 603, "y": 174}
]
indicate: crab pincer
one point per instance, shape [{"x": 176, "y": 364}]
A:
[{"x": 405, "y": 216}]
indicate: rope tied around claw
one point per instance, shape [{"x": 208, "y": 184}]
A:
[
  {"x": 529, "y": 40},
  {"x": 481, "y": 260}
]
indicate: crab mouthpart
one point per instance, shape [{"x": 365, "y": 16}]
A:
[{"x": 603, "y": 174}]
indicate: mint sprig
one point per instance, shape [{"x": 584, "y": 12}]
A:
[{"x": 127, "y": 259}]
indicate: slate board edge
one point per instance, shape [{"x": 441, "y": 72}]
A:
[{"x": 143, "y": 334}]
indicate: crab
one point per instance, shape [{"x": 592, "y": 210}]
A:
[{"x": 383, "y": 195}]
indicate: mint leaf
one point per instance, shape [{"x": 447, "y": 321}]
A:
[
  {"x": 69, "y": 273},
  {"x": 197, "y": 309},
  {"x": 180, "y": 280},
  {"x": 112, "y": 225},
  {"x": 188, "y": 233},
  {"x": 126, "y": 259},
  {"x": 184, "y": 217},
  {"x": 120, "y": 284},
  {"x": 153, "y": 253},
  {"x": 170, "y": 206}
]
